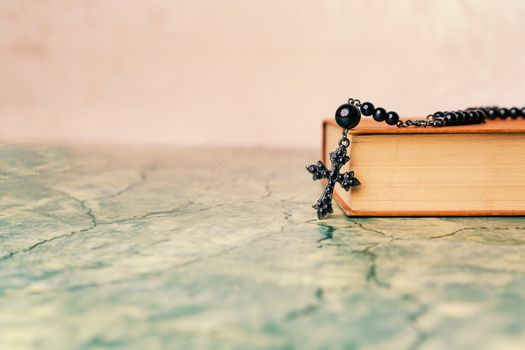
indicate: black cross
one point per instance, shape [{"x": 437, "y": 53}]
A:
[{"x": 346, "y": 180}]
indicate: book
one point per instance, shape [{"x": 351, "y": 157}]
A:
[{"x": 469, "y": 170}]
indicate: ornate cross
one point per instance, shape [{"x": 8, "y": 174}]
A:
[{"x": 346, "y": 180}]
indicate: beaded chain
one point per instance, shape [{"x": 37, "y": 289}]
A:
[{"x": 348, "y": 116}]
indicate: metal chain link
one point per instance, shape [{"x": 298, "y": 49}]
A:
[
  {"x": 419, "y": 123},
  {"x": 344, "y": 141},
  {"x": 354, "y": 101}
]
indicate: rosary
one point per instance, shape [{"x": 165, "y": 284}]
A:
[{"x": 348, "y": 116}]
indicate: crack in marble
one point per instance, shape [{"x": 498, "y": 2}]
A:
[
  {"x": 327, "y": 235},
  {"x": 163, "y": 213},
  {"x": 87, "y": 211},
  {"x": 371, "y": 276},
  {"x": 160, "y": 213},
  {"x": 143, "y": 178},
  {"x": 95, "y": 223},
  {"x": 261, "y": 238},
  {"x": 371, "y": 273},
  {"x": 453, "y": 233},
  {"x": 186, "y": 264},
  {"x": 362, "y": 226},
  {"x": 308, "y": 309},
  {"x": 38, "y": 244},
  {"x": 421, "y": 335},
  {"x": 267, "y": 187},
  {"x": 153, "y": 273}
]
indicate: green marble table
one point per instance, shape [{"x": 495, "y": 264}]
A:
[{"x": 159, "y": 248}]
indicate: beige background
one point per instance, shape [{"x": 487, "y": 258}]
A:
[{"x": 245, "y": 72}]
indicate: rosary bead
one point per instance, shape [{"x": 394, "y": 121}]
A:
[
  {"x": 471, "y": 117},
  {"x": 438, "y": 115},
  {"x": 466, "y": 117},
  {"x": 481, "y": 114},
  {"x": 476, "y": 117},
  {"x": 450, "y": 118},
  {"x": 367, "y": 109},
  {"x": 379, "y": 114},
  {"x": 485, "y": 111},
  {"x": 392, "y": 118},
  {"x": 492, "y": 113},
  {"x": 460, "y": 117},
  {"x": 347, "y": 116},
  {"x": 503, "y": 113},
  {"x": 514, "y": 112}
]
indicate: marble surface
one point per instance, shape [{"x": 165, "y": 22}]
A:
[{"x": 123, "y": 247}]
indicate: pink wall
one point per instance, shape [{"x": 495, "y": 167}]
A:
[{"x": 245, "y": 72}]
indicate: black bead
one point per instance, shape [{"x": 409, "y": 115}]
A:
[
  {"x": 481, "y": 114},
  {"x": 485, "y": 111},
  {"x": 522, "y": 112},
  {"x": 466, "y": 117},
  {"x": 438, "y": 115},
  {"x": 514, "y": 112},
  {"x": 503, "y": 113},
  {"x": 379, "y": 114},
  {"x": 347, "y": 116},
  {"x": 367, "y": 109},
  {"x": 450, "y": 118},
  {"x": 492, "y": 113},
  {"x": 460, "y": 117},
  {"x": 392, "y": 118},
  {"x": 438, "y": 118},
  {"x": 471, "y": 117},
  {"x": 478, "y": 117}
]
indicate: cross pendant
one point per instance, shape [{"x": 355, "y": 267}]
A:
[{"x": 346, "y": 180}]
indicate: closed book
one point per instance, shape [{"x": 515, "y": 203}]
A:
[{"x": 469, "y": 170}]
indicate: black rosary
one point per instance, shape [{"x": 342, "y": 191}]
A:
[{"x": 348, "y": 116}]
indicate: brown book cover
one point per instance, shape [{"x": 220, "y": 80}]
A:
[{"x": 470, "y": 170}]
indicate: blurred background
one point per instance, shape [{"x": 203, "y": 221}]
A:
[{"x": 245, "y": 73}]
